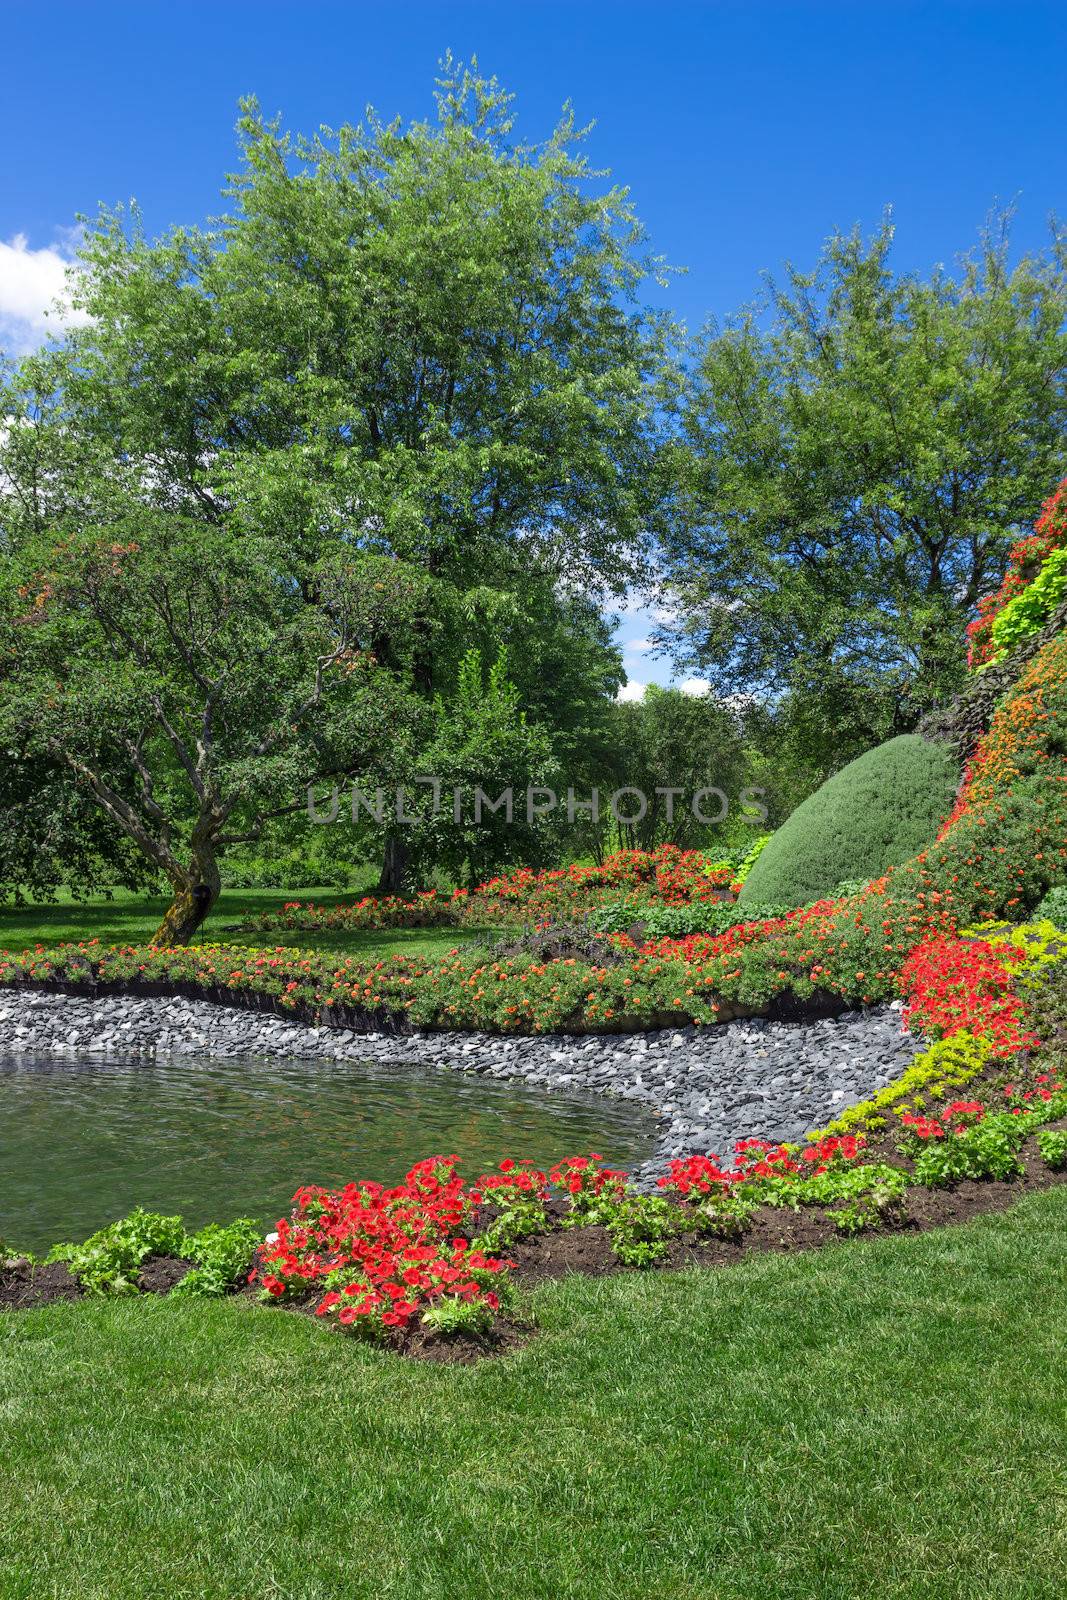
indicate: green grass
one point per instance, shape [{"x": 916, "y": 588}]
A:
[
  {"x": 880, "y": 1419},
  {"x": 133, "y": 919}
]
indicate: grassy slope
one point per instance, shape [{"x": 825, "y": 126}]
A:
[
  {"x": 877, "y": 1419},
  {"x": 134, "y": 918}
]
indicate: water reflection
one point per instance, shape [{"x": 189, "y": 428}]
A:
[{"x": 83, "y": 1142}]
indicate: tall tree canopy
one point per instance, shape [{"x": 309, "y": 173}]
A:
[
  {"x": 859, "y": 455},
  {"x": 405, "y": 376}
]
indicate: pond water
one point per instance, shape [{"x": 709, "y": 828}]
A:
[{"x": 81, "y": 1143}]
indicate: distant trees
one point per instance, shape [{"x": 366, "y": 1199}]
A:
[{"x": 674, "y": 741}]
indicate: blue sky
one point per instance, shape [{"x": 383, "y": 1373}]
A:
[{"x": 746, "y": 132}]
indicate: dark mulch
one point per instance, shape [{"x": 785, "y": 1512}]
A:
[
  {"x": 588, "y": 1250},
  {"x": 462, "y": 1349},
  {"x": 159, "y": 1274},
  {"x": 23, "y": 1286}
]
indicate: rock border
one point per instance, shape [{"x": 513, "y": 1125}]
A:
[{"x": 707, "y": 1086}]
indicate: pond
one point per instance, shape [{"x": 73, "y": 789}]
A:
[{"x": 81, "y": 1143}]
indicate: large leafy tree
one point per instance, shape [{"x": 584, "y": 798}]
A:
[
  {"x": 859, "y": 455},
  {"x": 417, "y": 346},
  {"x": 187, "y": 684}
]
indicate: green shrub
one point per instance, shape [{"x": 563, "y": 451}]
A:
[
  {"x": 1053, "y": 907},
  {"x": 109, "y": 1261},
  {"x": 872, "y": 815},
  {"x": 677, "y": 922},
  {"x": 1052, "y": 1142},
  {"x": 987, "y": 1149}
]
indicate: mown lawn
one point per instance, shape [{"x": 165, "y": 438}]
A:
[
  {"x": 133, "y": 919},
  {"x": 881, "y": 1419}
]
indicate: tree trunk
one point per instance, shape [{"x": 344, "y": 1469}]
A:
[
  {"x": 193, "y": 900},
  {"x": 394, "y": 873}
]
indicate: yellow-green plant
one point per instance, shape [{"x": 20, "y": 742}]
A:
[{"x": 935, "y": 1074}]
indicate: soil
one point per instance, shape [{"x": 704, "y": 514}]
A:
[
  {"x": 159, "y": 1274},
  {"x": 23, "y": 1286}
]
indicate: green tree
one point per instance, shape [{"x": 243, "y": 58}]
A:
[
  {"x": 51, "y": 835},
  {"x": 415, "y": 344},
  {"x": 856, "y": 465},
  {"x": 670, "y": 740},
  {"x": 187, "y": 683},
  {"x": 484, "y": 746}
]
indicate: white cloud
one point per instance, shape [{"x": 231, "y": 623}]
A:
[
  {"x": 31, "y": 281},
  {"x": 632, "y": 691},
  {"x": 638, "y": 647},
  {"x": 695, "y": 686}
]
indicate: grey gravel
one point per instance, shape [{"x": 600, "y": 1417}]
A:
[{"x": 708, "y": 1086}]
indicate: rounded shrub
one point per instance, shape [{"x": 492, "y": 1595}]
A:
[{"x": 872, "y": 815}]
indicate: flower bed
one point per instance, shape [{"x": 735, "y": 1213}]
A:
[
  {"x": 427, "y": 909},
  {"x": 665, "y": 877}
]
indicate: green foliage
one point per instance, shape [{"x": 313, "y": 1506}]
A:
[
  {"x": 749, "y": 859},
  {"x": 1026, "y": 613},
  {"x": 51, "y": 835},
  {"x": 676, "y": 922},
  {"x": 452, "y": 1315},
  {"x": 872, "y": 815},
  {"x": 840, "y": 516},
  {"x": 641, "y": 1226},
  {"x": 986, "y": 1149},
  {"x": 222, "y": 1253},
  {"x": 724, "y": 1213},
  {"x": 1053, "y": 907},
  {"x": 674, "y": 741},
  {"x": 109, "y": 1262},
  {"x": 519, "y": 1214},
  {"x": 858, "y": 1196},
  {"x": 483, "y": 741},
  {"x": 1052, "y": 1143}
]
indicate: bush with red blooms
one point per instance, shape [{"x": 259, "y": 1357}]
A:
[
  {"x": 829, "y": 1173},
  {"x": 378, "y": 1258},
  {"x": 1024, "y": 563},
  {"x": 666, "y": 876},
  {"x": 515, "y": 1198},
  {"x": 967, "y": 1141},
  {"x": 956, "y": 1116},
  {"x": 951, "y": 985},
  {"x": 1019, "y": 1101},
  {"x": 759, "y": 1158},
  {"x": 591, "y": 1185}
]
